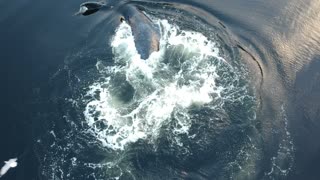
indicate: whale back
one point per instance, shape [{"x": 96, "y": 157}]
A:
[{"x": 146, "y": 35}]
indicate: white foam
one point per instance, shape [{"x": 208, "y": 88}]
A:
[
  {"x": 282, "y": 163},
  {"x": 160, "y": 91}
]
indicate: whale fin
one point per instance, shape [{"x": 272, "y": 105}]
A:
[{"x": 88, "y": 8}]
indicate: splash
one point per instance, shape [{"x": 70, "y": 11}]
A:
[
  {"x": 137, "y": 98},
  {"x": 282, "y": 163}
]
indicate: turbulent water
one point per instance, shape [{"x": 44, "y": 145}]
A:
[
  {"x": 137, "y": 98},
  {"x": 221, "y": 99},
  {"x": 188, "y": 111}
]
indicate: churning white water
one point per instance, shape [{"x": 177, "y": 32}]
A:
[{"x": 136, "y": 98}]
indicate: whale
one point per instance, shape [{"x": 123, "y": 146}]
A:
[
  {"x": 89, "y": 8},
  {"x": 146, "y": 34}
]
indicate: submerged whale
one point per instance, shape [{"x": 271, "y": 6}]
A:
[{"x": 146, "y": 35}]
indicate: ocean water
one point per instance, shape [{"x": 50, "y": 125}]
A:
[{"x": 233, "y": 92}]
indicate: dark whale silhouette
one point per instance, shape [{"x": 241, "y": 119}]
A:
[{"x": 146, "y": 35}]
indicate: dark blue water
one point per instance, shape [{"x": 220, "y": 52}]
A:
[{"x": 265, "y": 127}]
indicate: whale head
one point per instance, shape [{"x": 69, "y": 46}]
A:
[{"x": 89, "y": 8}]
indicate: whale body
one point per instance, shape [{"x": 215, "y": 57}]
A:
[{"x": 146, "y": 35}]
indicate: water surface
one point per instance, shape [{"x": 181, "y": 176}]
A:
[{"x": 232, "y": 93}]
